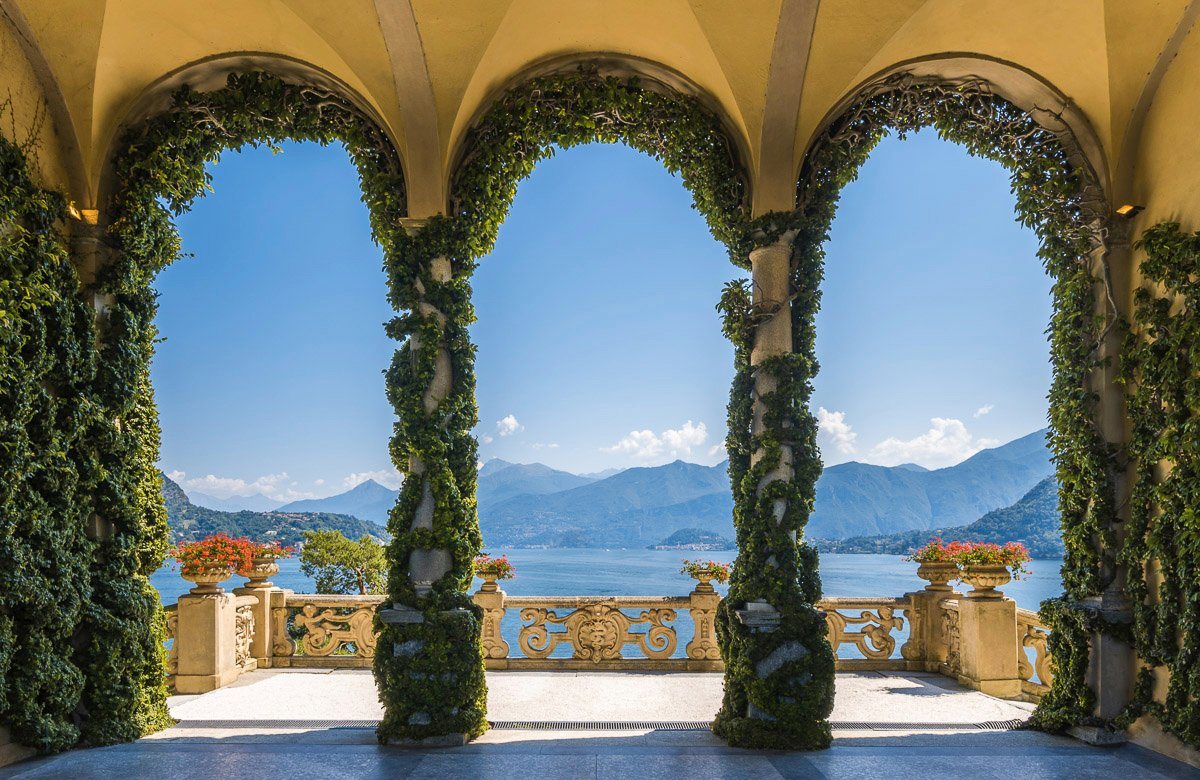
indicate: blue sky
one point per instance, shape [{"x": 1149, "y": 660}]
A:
[{"x": 599, "y": 345}]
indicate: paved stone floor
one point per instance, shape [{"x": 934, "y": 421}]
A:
[{"x": 228, "y": 733}]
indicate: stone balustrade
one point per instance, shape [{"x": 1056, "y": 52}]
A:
[{"x": 985, "y": 643}]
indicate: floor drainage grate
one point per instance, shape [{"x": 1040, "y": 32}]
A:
[
  {"x": 596, "y": 725},
  {"x": 602, "y": 725}
]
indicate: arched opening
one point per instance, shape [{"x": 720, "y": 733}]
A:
[
  {"x": 602, "y": 387},
  {"x": 1059, "y": 196},
  {"x": 931, "y": 402},
  {"x": 157, "y": 171}
]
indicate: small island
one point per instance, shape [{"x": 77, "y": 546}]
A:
[{"x": 694, "y": 539}]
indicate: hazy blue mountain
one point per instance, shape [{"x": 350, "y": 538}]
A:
[
  {"x": 642, "y": 506},
  {"x": 694, "y": 539},
  {"x": 635, "y": 507},
  {"x": 1033, "y": 520},
  {"x": 857, "y": 499},
  {"x": 602, "y": 474},
  {"x": 367, "y": 501},
  {"x": 255, "y": 503},
  {"x": 189, "y": 522},
  {"x": 499, "y": 479}
]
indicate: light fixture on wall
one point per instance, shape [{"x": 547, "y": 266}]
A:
[{"x": 1129, "y": 211}]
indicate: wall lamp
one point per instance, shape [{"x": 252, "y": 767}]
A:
[{"x": 1129, "y": 211}]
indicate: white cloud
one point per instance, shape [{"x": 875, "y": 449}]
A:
[
  {"x": 277, "y": 486},
  {"x": 540, "y": 446},
  {"x": 486, "y": 439},
  {"x": 674, "y": 443},
  {"x": 716, "y": 449},
  {"x": 985, "y": 409},
  {"x": 388, "y": 477},
  {"x": 318, "y": 482},
  {"x": 508, "y": 426},
  {"x": 839, "y": 432},
  {"x": 945, "y": 443}
]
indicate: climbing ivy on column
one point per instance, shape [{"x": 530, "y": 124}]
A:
[
  {"x": 47, "y": 364},
  {"x": 1162, "y": 547},
  {"x": 778, "y": 679},
  {"x": 1059, "y": 198},
  {"x": 159, "y": 171}
]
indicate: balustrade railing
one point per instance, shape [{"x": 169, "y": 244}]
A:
[
  {"x": 933, "y": 630},
  {"x": 318, "y": 630},
  {"x": 1034, "y": 672}
]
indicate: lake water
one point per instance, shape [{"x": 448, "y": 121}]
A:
[{"x": 592, "y": 572}]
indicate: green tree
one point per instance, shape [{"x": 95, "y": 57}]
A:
[{"x": 341, "y": 565}]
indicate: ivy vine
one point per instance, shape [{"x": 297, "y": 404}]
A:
[
  {"x": 1060, "y": 199},
  {"x": 1162, "y": 544},
  {"x": 47, "y": 365}
]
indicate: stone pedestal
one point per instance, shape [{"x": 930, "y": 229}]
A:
[
  {"x": 929, "y": 630},
  {"x": 206, "y": 636},
  {"x": 988, "y": 628},
  {"x": 490, "y": 599},
  {"x": 703, "y": 607},
  {"x": 261, "y": 643}
]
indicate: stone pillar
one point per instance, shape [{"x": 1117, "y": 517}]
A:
[
  {"x": 927, "y": 625},
  {"x": 990, "y": 646},
  {"x": 262, "y": 642},
  {"x": 490, "y": 598},
  {"x": 778, "y": 662},
  {"x": 702, "y": 604},
  {"x": 206, "y": 636},
  {"x": 429, "y": 662}
]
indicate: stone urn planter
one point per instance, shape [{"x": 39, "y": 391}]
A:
[
  {"x": 264, "y": 567},
  {"x": 938, "y": 574},
  {"x": 984, "y": 579},
  {"x": 207, "y": 581},
  {"x": 489, "y": 583},
  {"x": 704, "y": 582}
]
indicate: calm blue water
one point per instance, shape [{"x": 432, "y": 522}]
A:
[{"x": 592, "y": 572}]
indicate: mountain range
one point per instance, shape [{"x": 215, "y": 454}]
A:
[
  {"x": 189, "y": 522},
  {"x": 522, "y": 505},
  {"x": 1033, "y": 520}
]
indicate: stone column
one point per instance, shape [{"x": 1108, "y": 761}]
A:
[
  {"x": 990, "y": 646},
  {"x": 206, "y": 636},
  {"x": 262, "y": 642},
  {"x": 778, "y": 662},
  {"x": 490, "y": 598},
  {"x": 429, "y": 663}
]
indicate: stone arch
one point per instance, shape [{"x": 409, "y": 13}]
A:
[
  {"x": 1022, "y": 88},
  {"x": 1061, "y": 181},
  {"x": 211, "y": 75},
  {"x": 650, "y": 77},
  {"x": 154, "y": 171}
]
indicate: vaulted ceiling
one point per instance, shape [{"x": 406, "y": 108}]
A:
[{"x": 773, "y": 68}]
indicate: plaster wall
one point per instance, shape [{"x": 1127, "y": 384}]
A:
[{"x": 26, "y": 111}]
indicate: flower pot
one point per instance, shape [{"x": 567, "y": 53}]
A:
[
  {"x": 489, "y": 583},
  {"x": 207, "y": 581},
  {"x": 984, "y": 579},
  {"x": 938, "y": 574},
  {"x": 263, "y": 569},
  {"x": 705, "y": 583}
]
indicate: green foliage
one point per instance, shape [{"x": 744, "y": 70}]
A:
[
  {"x": 341, "y": 565},
  {"x": 47, "y": 416},
  {"x": 1162, "y": 547}
]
